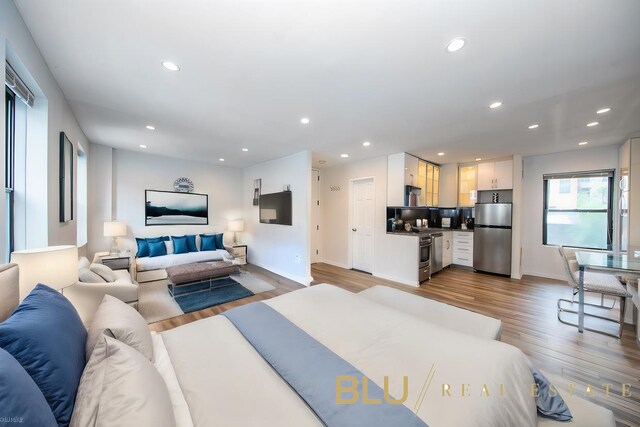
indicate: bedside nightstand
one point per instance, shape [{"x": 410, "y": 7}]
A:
[
  {"x": 239, "y": 254},
  {"x": 116, "y": 262}
]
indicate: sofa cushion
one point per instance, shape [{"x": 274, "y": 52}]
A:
[
  {"x": 180, "y": 244},
  {"x": 103, "y": 271},
  {"x": 207, "y": 243},
  {"x": 45, "y": 334},
  {"x": 83, "y": 262},
  {"x": 157, "y": 249},
  {"x": 20, "y": 396},
  {"x": 219, "y": 243},
  {"x": 87, "y": 276},
  {"x": 169, "y": 246},
  {"x": 143, "y": 247},
  {"x": 120, "y": 387},
  {"x": 122, "y": 322},
  {"x": 191, "y": 243}
]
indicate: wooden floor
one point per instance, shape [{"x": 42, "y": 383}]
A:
[{"x": 527, "y": 309}]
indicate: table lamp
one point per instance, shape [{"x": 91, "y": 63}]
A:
[
  {"x": 114, "y": 229},
  {"x": 54, "y": 266},
  {"x": 235, "y": 226}
]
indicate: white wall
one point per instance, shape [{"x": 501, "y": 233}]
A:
[
  {"x": 50, "y": 115},
  {"x": 118, "y": 180},
  {"x": 537, "y": 259},
  {"x": 389, "y": 251},
  {"x": 280, "y": 248}
]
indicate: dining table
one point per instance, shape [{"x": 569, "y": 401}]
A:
[{"x": 626, "y": 264}]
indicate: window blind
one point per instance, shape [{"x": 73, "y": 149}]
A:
[{"x": 17, "y": 86}]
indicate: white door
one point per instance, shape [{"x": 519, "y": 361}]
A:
[
  {"x": 362, "y": 224},
  {"x": 315, "y": 216},
  {"x": 504, "y": 174},
  {"x": 486, "y": 176}
]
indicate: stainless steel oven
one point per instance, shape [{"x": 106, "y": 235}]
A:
[{"x": 424, "y": 258}]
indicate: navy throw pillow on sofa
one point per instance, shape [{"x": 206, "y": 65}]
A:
[
  {"x": 219, "y": 244},
  {"x": 180, "y": 244},
  {"x": 207, "y": 243},
  {"x": 191, "y": 243},
  {"x": 157, "y": 248},
  {"x": 45, "y": 334},
  {"x": 22, "y": 401}
]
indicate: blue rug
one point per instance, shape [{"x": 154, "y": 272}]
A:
[{"x": 222, "y": 290}]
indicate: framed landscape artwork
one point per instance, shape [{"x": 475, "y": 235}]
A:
[{"x": 176, "y": 208}]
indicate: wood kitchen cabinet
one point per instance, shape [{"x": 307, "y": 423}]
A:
[{"x": 495, "y": 175}]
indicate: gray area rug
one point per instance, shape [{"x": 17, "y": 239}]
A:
[{"x": 156, "y": 304}]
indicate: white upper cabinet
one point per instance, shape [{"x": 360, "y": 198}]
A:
[
  {"x": 411, "y": 170},
  {"x": 495, "y": 175}
]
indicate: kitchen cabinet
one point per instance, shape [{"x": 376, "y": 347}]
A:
[
  {"x": 495, "y": 175},
  {"x": 467, "y": 185},
  {"x": 404, "y": 169},
  {"x": 447, "y": 248},
  {"x": 410, "y": 170},
  {"x": 463, "y": 248},
  {"x": 448, "y": 185}
]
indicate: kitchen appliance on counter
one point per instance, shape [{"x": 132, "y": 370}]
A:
[
  {"x": 492, "y": 238},
  {"x": 424, "y": 258},
  {"x": 469, "y": 222},
  {"x": 411, "y": 194},
  {"x": 437, "y": 250}
]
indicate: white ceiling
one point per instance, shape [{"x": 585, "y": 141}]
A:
[{"x": 361, "y": 70}]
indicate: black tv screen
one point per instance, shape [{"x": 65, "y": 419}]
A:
[{"x": 275, "y": 208}]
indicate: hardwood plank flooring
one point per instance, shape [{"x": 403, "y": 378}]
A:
[{"x": 527, "y": 309}]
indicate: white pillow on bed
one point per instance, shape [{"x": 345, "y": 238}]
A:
[
  {"x": 122, "y": 322},
  {"x": 120, "y": 387}
]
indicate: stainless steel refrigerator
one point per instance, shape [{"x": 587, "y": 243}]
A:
[{"x": 492, "y": 238}]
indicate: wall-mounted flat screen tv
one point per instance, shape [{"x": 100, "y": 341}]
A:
[{"x": 275, "y": 208}]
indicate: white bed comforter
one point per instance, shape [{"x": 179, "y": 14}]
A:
[
  {"x": 164, "y": 261},
  {"x": 225, "y": 381}
]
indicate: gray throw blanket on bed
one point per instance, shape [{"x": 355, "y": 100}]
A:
[{"x": 311, "y": 370}]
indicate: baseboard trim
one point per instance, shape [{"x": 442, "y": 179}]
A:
[
  {"x": 335, "y": 264},
  {"x": 298, "y": 279},
  {"x": 395, "y": 279},
  {"x": 545, "y": 275}
]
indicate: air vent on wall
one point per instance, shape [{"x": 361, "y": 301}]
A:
[{"x": 15, "y": 83}]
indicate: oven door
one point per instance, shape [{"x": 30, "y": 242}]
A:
[{"x": 424, "y": 255}]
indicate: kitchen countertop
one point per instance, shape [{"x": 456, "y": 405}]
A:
[{"x": 427, "y": 231}]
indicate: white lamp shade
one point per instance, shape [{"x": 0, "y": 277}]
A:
[
  {"x": 115, "y": 229},
  {"x": 236, "y": 225},
  {"x": 54, "y": 266}
]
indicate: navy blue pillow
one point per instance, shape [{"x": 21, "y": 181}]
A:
[
  {"x": 180, "y": 245},
  {"x": 191, "y": 243},
  {"x": 143, "y": 248},
  {"x": 207, "y": 243},
  {"x": 157, "y": 248},
  {"x": 219, "y": 244},
  {"x": 22, "y": 400},
  {"x": 45, "y": 334}
]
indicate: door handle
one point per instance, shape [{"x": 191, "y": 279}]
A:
[{"x": 354, "y": 229}]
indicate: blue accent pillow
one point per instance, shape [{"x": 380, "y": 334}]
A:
[
  {"x": 180, "y": 244},
  {"x": 219, "y": 244},
  {"x": 46, "y": 336},
  {"x": 207, "y": 243},
  {"x": 143, "y": 248},
  {"x": 22, "y": 400},
  {"x": 157, "y": 249},
  {"x": 550, "y": 404},
  {"x": 191, "y": 243}
]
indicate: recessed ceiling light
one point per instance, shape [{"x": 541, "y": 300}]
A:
[
  {"x": 366, "y": 143},
  {"x": 455, "y": 45},
  {"x": 534, "y": 126},
  {"x": 592, "y": 124},
  {"x": 151, "y": 127},
  {"x": 304, "y": 120},
  {"x": 221, "y": 159},
  {"x": 245, "y": 149},
  {"x": 478, "y": 159},
  {"x": 170, "y": 66},
  {"x": 603, "y": 110},
  {"x": 440, "y": 154},
  {"x": 143, "y": 146},
  {"x": 583, "y": 143},
  {"x": 495, "y": 105},
  {"x": 344, "y": 156}
]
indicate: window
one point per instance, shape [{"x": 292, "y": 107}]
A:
[
  {"x": 9, "y": 168},
  {"x": 578, "y": 210}
]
